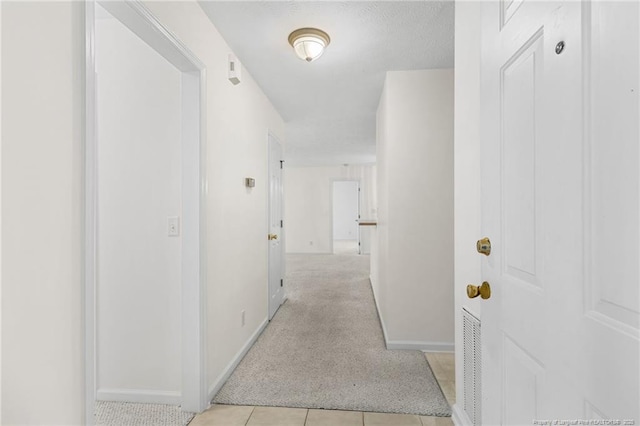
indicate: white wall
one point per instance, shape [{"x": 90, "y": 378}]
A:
[
  {"x": 42, "y": 164},
  {"x": 139, "y": 155},
  {"x": 0, "y": 213},
  {"x": 42, "y": 204},
  {"x": 238, "y": 118},
  {"x": 414, "y": 285},
  {"x": 345, "y": 210},
  {"x": 308, "y": 203},
  {"x": 467, "y": 167}
]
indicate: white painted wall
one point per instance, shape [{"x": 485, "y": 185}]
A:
[
  {"x": 42, "y": 167},
  {"x": 0, "y": 213},
  {"x": 414, "y": 285},
  {"x": 345, "y": 210},
  {"x": 308, "y": 200},
  {"x": 380, "y": 235},
  {"x": 139, "y": 155},
  {"x": 42, "y": 200},
  {"x": 467, "y": 169},
  {"x": 238, "y": 118}
]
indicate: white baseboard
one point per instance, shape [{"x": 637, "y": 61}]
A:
[
  {"x": 408, "y": 344},
  {"x": 384, "y": 327},
  {"x": 311, "y": 253},
  {"x": 420, "y": 346},
  {"x": 142, "y": 396},
  {"x": 217, "y": 384},
  {"x": 459, "y": 417}
]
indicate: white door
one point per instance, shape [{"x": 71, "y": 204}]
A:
[
  {"x": 346, "y": 213},
  {"x": 276, "y": 252},
  {"x": 560, "y": 189}
]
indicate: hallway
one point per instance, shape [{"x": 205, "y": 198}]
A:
[{"x": 325, "y": 349}]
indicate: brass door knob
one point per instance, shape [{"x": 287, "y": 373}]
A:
[
  {"x": 484, "y": 246},
  {"x": 273, "y": 237},
  {"x": 484, "y": 290}
]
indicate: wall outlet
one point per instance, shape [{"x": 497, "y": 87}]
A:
[
  {"x": 173, "y": 223},
  {"x": 242, "y": 318}
]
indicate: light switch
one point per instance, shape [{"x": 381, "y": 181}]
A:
[{"x": 174, "y": 226}]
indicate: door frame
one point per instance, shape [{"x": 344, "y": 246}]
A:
[
  {"x": 135, "y": 15},
  {"x": 271, "y": 136},
  {"x": 333, "y": 180}
]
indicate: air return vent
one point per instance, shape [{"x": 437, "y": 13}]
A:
[{"x": 472, "y": 366}]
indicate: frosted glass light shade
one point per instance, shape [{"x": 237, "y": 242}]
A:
[{"x": 309, "y": 43}]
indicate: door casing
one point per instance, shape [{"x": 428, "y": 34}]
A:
[{"x": 140, "y": 21}]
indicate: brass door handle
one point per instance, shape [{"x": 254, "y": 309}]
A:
[
  {"x": 273, "y": 237},
  {"x": 484, "y": 290},
  {"x": 484, "y": 246}
]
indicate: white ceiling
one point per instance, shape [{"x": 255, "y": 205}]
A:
[{"x": 329, "y": 105}]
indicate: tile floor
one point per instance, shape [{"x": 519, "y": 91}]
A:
[{"x": 235, "y": 415}]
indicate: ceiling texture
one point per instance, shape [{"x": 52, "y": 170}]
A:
[{"x": 329, "y": 105}]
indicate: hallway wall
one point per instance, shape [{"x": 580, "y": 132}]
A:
[
  {"x": 42, "y": 168},
  {"x": 238, "y": 120},
  {"x": 138, "y": 307},
  {"x": 42, "y": 204},
  {"x": 308, "y": 200},
  {"x": 412, "y": 269}
]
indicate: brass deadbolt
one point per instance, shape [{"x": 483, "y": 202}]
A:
[
  {"x": 484, "y": 290},
  {"x": 273, "y": 237},
  {"x": 484, "y": 246}
]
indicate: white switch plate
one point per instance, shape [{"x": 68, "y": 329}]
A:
[{"x": 173, "y": 226}]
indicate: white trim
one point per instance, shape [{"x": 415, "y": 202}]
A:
[
  {"x": 0, "y": 216},
  {"x": 309, "y": 254},
  {"x": 90, "y": 215},
  {"x": 141, "y": 396},
  {"x": 134, "y": 15},
  {"x": 416, "y": 345},
  {"x": 226, "y": 373},
  {"x": 430, "y": 351},
  {"x": 459, "y": 417},
  {"x": 408, "y": 344},
  {"x": 384, "y": 327}
]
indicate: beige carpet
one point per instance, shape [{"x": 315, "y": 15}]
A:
[{"x": 325, "y": 349}]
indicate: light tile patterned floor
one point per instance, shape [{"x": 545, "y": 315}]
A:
[{"x": 443, "y": 367}]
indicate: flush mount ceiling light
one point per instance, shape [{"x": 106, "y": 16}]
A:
[{"x": 309, "y": 43}]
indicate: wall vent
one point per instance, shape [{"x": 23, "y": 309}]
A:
[{"x": 472, "y": 367}]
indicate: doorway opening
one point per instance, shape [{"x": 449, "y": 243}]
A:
[
  {"x": 346, "y": 214},
  {"x": 144, "y": 217}
]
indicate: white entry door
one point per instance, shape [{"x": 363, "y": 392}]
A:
[
  {"x": 276, "y": 252},
  {"x": 560, "y": 204}
]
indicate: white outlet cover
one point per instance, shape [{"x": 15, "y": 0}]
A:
[{"x": 173, "y": 226}]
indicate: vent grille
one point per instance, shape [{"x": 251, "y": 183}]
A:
[{"x": 472, "y": 366}]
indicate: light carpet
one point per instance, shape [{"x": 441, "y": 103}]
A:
[
  {"x": 130, "y": 414},
  {"x": 324, "y": 348}
]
